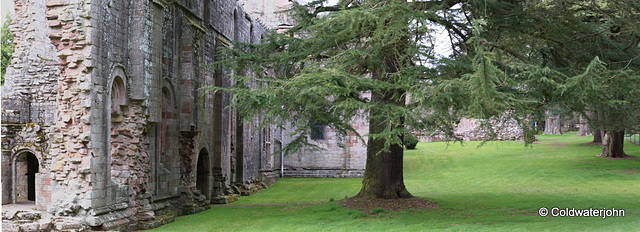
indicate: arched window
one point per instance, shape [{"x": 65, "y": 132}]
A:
[
  {"x": 166, "y": 162},
  {"x": 203, "y": 172},
  {"x": 235, "y": 25},
  {"x": 317, "y": 131},
  {"x": 167, "y": 114},
  {"x": 250, "y": 32},
  {"x": 118, "y": 96}
]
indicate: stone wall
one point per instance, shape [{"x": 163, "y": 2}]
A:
[
  {"x": 268, "y": 12},
  {"x": 501, "y": 129},
  {"x": 339, "y": 155},
  {"x": 28, "y": 98}
]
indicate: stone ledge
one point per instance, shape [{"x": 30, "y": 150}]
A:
[
  {"x": 110, "y": 208},
  {"x": 164, "y": 197},
  {"x": 324, "y": 173},
  {"x": 225, "y": 199}
]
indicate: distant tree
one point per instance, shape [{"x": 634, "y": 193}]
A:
[
  {"x": 610, "y": 84},
  {"x": 553, "y": 121},
  {"x": 614, "y": 94},
  {"x": 8, "y": 47},
  {"x": 583, "y": 123},
  {"x": 597, "y": 137}
]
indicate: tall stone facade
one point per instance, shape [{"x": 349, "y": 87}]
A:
[{"x": 104, "y": 122}]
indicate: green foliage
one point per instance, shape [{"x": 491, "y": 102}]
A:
[
  {"x": 497, "y": 187},
  {"x": 324, "y": 69},
  {"x": 612, "y": 95},
  {"x": 516, "y": 57},
  {"x": 571, "y": 55},
  {"x": 7, "y": 47},
  {"x": 410, "y": 141}
]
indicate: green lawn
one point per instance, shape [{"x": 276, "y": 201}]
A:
[{"x": 499, "y": 186}]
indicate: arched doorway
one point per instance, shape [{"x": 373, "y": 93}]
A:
[
  {"x": 25, "y": 167},
  {"x": 203, "y": 172}
]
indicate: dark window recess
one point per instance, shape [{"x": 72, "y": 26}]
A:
[{"x": 317, "y": 131}]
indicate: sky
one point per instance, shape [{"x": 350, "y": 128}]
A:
[{"x": 6, "y": 6}]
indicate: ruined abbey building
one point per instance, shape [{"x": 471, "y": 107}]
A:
[{"x": 104, "y": 125}]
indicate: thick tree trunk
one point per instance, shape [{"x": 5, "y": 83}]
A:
[
  {"x": 552, "y": 125},
  {"x": 383, "y": 176},
  {"x": 584, "y": 127},
  {"x": 597, "y": 136},
  {"x": 613, "y": 144}
]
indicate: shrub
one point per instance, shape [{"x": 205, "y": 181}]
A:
[{"x": 410, "y": 141}]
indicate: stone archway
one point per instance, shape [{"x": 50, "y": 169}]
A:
[
  {"x": 203, "y": 173},
  {"x": 25, "y": 166}
]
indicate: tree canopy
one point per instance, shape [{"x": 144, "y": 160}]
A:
[
  {"x": 364, "y": 58},
  {"x": 7, "y": 46}
]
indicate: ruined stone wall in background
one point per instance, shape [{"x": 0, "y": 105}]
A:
[
  {"x": 268, "y": 12},
  {"x": 339, "y": 156},
  {"x": 502, "y": 129}
]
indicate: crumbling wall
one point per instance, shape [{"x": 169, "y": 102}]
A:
[
  {"x": 29, "y": 97},
  {"x": 122, "y": 115},
  {"x": 268, "y": 12},
  {"x": 29, "y": 93},
  {"x": 505, "y": 129},
  {"x": 72, "y": 174},
  {"x": 501, "y": 129}
]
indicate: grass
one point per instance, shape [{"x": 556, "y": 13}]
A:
[{"x": 499, "y": 186}]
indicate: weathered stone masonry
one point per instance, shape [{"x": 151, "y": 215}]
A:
[
  {"x": 29, "y": 106},
  {"x": 106, "y": 96}
]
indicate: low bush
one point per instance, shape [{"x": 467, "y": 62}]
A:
[{"x": 410, "y": 141}]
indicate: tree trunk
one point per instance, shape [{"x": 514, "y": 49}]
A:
[
  {"x": 584, "y": 127},
  {"x": 383, "y": 176},
  {"x": 613, "y": 144},
  {"x": 552, "y": 124},
  {"x": 597, "y": 136}
]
